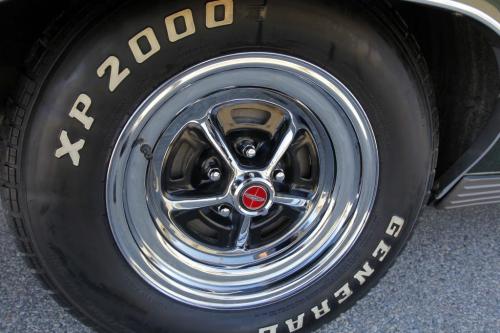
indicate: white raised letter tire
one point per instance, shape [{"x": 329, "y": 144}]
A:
[{"x": 220, "y": 166}]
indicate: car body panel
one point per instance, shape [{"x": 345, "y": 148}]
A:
[
  {"x": 491, "y": 162},
  {"x": 481, "y": 162},
  {"x": 484, "y": 11}
]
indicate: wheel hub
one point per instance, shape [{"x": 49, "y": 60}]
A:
[{"x": 254, "y": 196}]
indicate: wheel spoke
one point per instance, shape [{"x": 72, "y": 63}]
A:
[
  {"x": 291, "y": 200},
  {"x": 195, "y": 203},
  {"x": 219, "y": 144},
  {"x": 283, "y": 146},
  {"x": 244, "y": 232}
]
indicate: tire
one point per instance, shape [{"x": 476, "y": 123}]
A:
[{"x": 58, "y": 201}]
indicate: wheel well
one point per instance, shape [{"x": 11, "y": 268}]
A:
[
  {"x": 458, "y": 50},
  {"x": 463, "y": 66}
]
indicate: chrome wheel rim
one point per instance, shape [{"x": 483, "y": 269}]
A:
[{"x": 218, "y": 103}]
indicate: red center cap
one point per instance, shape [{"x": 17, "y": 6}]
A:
[{"x": 254, "y": 197}]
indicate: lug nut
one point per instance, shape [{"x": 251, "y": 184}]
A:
[
  {"x": 279, "y": 176},
  {"x": 214, "y": 174},
  {"x": 224, "y": 211},
  {"x": 249, "y": 151},
  {"x": 147, "y": 151}
]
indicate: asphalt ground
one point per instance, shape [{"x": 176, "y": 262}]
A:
[{"x": 446, "y": 280}]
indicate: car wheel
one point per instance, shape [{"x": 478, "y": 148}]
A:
[{"x": 220, "y": 166}]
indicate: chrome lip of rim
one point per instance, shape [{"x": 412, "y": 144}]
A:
[{"x": 342, "y": 217}]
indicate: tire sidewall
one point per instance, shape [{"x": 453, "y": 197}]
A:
[{"x": 65, "y": 205}]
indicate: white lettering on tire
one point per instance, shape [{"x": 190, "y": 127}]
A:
[
  {"x": 320, "y": 312},
  {"x": 362, "y": 274},
  {"x": 79, "y": 111},
  {"x": 381, "y": 251},
  {"x": 115, "y": 76},
  {"x": 395, "y": 226},
  {"x": 154, "y": 46},
  {"x": 295, "y": 325},
  {"x": 68, "y": 148},
  {"x": 343, "y": 293},
  {"x": 173, "y": 34},
  {"x": 210, "y": 20}
]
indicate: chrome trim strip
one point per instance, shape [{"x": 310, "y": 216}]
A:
[
  {"x": 444, "y": 191},
  {"x": 487, "y": 12},
  {"x": 473, "y": 191}
]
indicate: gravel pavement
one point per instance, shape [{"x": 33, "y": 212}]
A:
[{"x": 446, "y": 280}]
